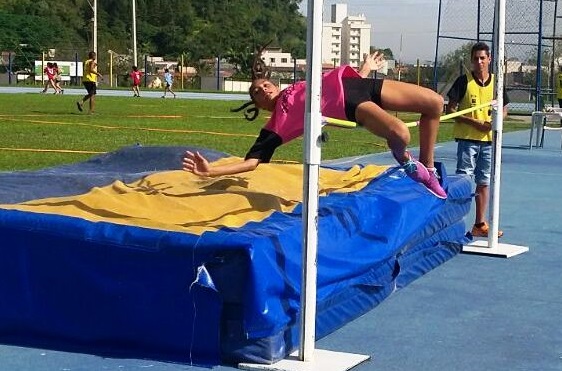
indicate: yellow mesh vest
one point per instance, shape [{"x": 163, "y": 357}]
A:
[
  {"x": 559, "y": 90},
  {"x": 89, "y": 73},
  {"x": 475, "y": 95}
]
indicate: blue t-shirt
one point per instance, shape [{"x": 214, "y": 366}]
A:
[{"x": 168, "y": 78}]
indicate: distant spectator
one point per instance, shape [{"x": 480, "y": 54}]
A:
[
  {"x": 50, "y": 72},
  {"x": 89, "y": 80},
  {"x": 169, "y": 80},
  {"x": 58, "y": 79},
  {"x": 559, "y": 90},
  {"x": 136, "y": 77},
  {"x": 156, "y": 83}
]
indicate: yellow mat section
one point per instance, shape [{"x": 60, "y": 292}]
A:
[{"x": 181, "y": 201}]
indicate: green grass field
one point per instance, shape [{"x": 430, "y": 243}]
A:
[{"x": 38, "y": 131}]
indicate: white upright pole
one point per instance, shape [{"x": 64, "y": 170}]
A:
[
  {"x": 134, "y": 32},
  {"x": 497, "y": 128},
  {"x": 308, "y": 357},
  {"x": 95, "y": 9},
  {"x": 312, "y": 157},
  {"x": 493, "y": 247}
]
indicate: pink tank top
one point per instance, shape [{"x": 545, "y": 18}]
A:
[
  {"x": 287, "y": 120},
  {"x": 50, "y": 71}
]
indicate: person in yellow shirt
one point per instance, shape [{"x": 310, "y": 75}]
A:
[
  {"x": 473, "y": 131},
  {"x": 559, "y": 90},
  {"x": 89, "y": 80}
]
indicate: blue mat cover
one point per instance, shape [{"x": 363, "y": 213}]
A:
[{"x": 219, "y": 297}]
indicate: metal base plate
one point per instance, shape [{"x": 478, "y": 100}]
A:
[
  {"x": 503, "y": 250},
  {"x": 323, "y": 360}
]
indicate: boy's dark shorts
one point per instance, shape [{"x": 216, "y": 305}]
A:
[
  {"x": 90, "y": 87},
  {"x": 357, "y": 90}
]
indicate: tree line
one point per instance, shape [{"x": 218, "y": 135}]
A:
[{"x": 192, "y": 29}]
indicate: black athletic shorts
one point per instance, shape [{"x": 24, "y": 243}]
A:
[
  {"x": 358, "y": 90},
  {"x": 90, "y": 87}
]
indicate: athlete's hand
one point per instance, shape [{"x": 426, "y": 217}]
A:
[
  {"x": 375, "y": 60},
  {"x": 195, "y": 163},
  {"x": 372, "y": 62}
]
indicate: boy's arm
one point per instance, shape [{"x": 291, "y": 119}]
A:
[
  {"x": 95, "y": 70},
  {"x": 481, "y": 125}
]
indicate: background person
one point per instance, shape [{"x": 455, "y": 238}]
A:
[
  {"x": 49, "y": 70},
  {"x": 136, "y": 78},
  {"x": 168, "y": 82},
  {"x": 89, "y": 80},
  {"x": 559, "y": 90},
  {"x": 473, "y": 131},
  {"x": 156, "y": 83},
  {"x": 58, "y": 79}
]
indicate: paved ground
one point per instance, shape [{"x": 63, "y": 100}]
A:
[
  {"x": 473, "y": 313},
  {"x": 116, "y": 93}
]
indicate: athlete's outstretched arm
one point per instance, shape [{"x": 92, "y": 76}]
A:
[{"x": 198, "y": 165}]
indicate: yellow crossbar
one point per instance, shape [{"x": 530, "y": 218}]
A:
[{"x": 350, "y": 124}]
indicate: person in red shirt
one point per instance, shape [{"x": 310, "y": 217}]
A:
[
  {"x": 51, "y": 72},
  {"x": 136, "y": 77}
]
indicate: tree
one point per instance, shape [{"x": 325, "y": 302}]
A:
[
  {"x": 454, "y": 64},
  {"x": 196, "y": 29},
  {"x": 28, "y": 36}
]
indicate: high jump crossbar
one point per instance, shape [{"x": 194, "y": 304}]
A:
[{"x": 350, "y": 124}]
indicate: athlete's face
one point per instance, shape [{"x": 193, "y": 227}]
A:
[
  {"x": 480, "y": 61},
  {"x": 264, "y": 93}
]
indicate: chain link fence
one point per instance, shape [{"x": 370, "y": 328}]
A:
[
  {"x": 23, "y": 66},
  {"x": 533, "y": 50},
  {"x": 532, "y": 46}
]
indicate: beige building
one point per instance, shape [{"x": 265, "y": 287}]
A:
[
  {"x": 276, "y": 58},
  {"x": 346, "y": 38}
]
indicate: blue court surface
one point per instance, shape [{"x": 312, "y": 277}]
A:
[{"x": 470, "y": 313}]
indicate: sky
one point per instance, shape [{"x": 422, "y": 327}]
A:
[{"x": 413, "y": 21}]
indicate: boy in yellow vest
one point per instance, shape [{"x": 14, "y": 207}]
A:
[
  {"x": 473, "y": 131},
  {"x": 89, "y": 80},
  {"x": 559, "y": 90}
]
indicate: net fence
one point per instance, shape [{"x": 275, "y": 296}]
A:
[{"x": 533, "y": 46}]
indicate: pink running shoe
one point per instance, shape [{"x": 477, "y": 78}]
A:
[
  {"x": 433, "y": 186},
  {"x": 413, "y": 168},
  {"x": 419, "y": 173},
  {"x": 416, "y": 170}
]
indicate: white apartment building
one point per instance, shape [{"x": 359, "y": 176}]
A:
[
  {"x": 345, "y": 38},
  {"x": 344, "y": 41},
  {"x": 277, "y": 59}
]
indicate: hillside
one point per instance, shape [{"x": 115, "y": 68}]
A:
[{"x": 194, "y": 29}]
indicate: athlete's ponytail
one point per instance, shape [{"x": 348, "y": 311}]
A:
[{"x": 259, "y": 72}]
